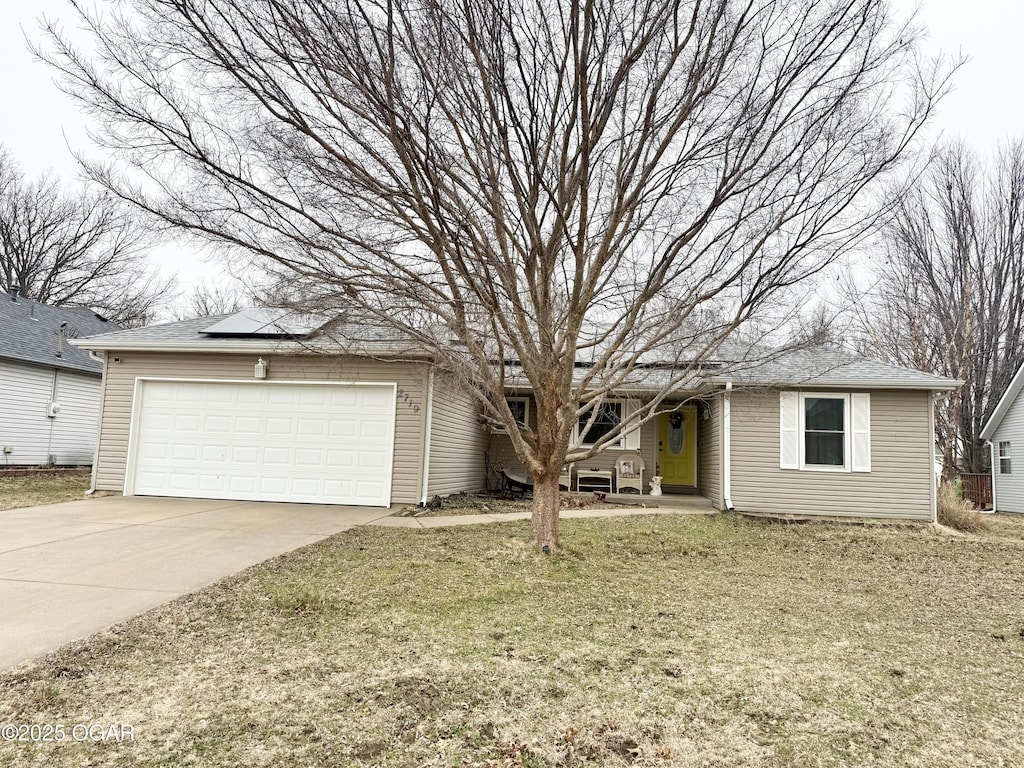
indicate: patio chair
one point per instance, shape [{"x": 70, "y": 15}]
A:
[
  {"x": 629, "y": 473},
  {"x": 565, "y": 479},
  {"x": 517, "y": 483}
]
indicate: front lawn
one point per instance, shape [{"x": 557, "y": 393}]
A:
[
  {"x": 33, "y": 490},
  {"x": 675, "y": 641}
]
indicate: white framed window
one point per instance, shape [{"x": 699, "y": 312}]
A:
[
  {"x": 610, "y": 414},
  {"x": 825, "y": 431},
  {"x": 520, "y": 408},
  {"x": 1005, "y": 456}
]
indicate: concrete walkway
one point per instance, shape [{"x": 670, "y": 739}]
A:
[
  {"x": 69, "y": 570},
  {"x": 694, "y": 505}
]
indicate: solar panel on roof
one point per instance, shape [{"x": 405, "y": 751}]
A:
[{"x": 261, "y": 321}]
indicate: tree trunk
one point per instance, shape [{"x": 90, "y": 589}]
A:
[{"x": 546, "y": 506}]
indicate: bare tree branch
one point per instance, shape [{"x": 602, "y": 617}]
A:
[
  {"x": 74, "y": 248},
  {"x": 948, "y": 292},
  {"x": 623, "y": 183}
]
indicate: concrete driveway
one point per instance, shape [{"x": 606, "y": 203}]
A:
[{"x": 68, "y": 570}]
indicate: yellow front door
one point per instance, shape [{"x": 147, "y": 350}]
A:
[{"x": 677, "y": 447}]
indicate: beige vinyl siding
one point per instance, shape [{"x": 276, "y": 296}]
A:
[
  {"x": 1009, "y": 489},
  {"x": 898, "y": 485},
  {"x": 709, "y": 445},
  {"x": 119, "y": 387},
  {"x": 502, "y": 455},
  {"x": 458, "y": 442}
]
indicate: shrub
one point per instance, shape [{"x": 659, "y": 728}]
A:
[{"x": 959, "y": 513}]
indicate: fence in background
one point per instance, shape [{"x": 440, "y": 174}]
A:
[{"x": 978, "y": 489}]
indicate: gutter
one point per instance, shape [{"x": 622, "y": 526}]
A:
[
  {"x": 727, "y": 447},
  {"x": 399, "y": 353},
  {"x": 426, "y": 435}
]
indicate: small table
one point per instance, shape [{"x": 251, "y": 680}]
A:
[{"x": 596, "y": 479}]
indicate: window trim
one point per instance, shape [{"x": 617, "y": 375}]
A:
[
  {"x": 847, "y": 433},
  {"x": 500, "y": 428},
  {"x": 1007, "y": 457}
]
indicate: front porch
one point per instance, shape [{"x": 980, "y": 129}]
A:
[
  {"x": 681, "y": 448},
  {"x": 692, "y": 503}
]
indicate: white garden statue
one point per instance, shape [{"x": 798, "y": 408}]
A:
[{"x": 656, "y": 486}]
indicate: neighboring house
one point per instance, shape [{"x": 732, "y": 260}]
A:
[
  {"x": 186, "y": 413},
  {"x": 1004, "y": 432},
  {"x": 49, "y": 390}
]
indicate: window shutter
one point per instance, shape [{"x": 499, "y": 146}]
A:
[
  {"x": 631, "y": 440},
  {"x": 860, "y": 424},
  {"x": 789, "y": 430}
]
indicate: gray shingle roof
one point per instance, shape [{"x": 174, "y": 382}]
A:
[
  {"x": 735, "y": 361},
  {"x": 831, "y": 367},
  {"x": 805, "y": 368},
  {"x": 30, "y": 333},
  {"x": 343, "y": 335}
]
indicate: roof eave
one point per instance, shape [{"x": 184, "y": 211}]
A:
[
  {"x": 989, "y": 430},
  {"x": 271, "y": 346},
  {"x": 55, "y": 363}
]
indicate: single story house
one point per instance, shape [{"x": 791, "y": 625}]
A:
[
  {"x": 1003, "y": 432},
  {"x": 256, "y": 406},
  {"x": 50, "y": 393}
]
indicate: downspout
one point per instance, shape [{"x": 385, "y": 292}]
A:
[
  {"x": 100, "y": 357},
  {"x": 931, "y": 470},
  {"x": 727, "y": 447},
  {"x": 992, "y": 473},
  {"x": 426, "y": 435}
]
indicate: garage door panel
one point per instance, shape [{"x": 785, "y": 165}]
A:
[
  {"x": 277, "y": 427},
  {"x": 245, "y": 454},
  {"x": 262, "y": 441},
  {"x": 221, "y": 424},
  {"x": 310, "y": 427},
  {"x": 242, "y": 484},
  {"x": 281, "y": 457},
  {"x": 310, "y": 457}
]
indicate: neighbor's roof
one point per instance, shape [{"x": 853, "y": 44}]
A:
[
  {"x": 1008, "y": 399},
  {"x": 30, "y": 332},
  {"x": 226, "y": 334}
]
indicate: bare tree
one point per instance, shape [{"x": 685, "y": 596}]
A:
[
  {"x": 573, "y": 191},
  {"x": 207, "y": 300},
  {"x": 948, "y": 290},
  {"x": 74, "y": 248}
]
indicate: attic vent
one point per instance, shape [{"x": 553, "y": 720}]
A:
[{"x": 15, "y": 291}]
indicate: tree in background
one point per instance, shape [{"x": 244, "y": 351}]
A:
[
  {"x": 570, "y": 191},
  {"x": 207, "y": 300},
  {"x": 82, "y": 249},
  {"x": 948, "y": 289}
]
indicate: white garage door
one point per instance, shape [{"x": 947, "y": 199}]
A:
[{"x": 320, "y": 443}]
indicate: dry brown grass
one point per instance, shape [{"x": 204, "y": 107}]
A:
[
  {"x": 690, "y": 641},
  {"x": 959, "y": 513},
  {"x": 34, "y": 490}
]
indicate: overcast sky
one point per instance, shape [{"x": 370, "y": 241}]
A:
[{"x": 40, "y": 126}]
